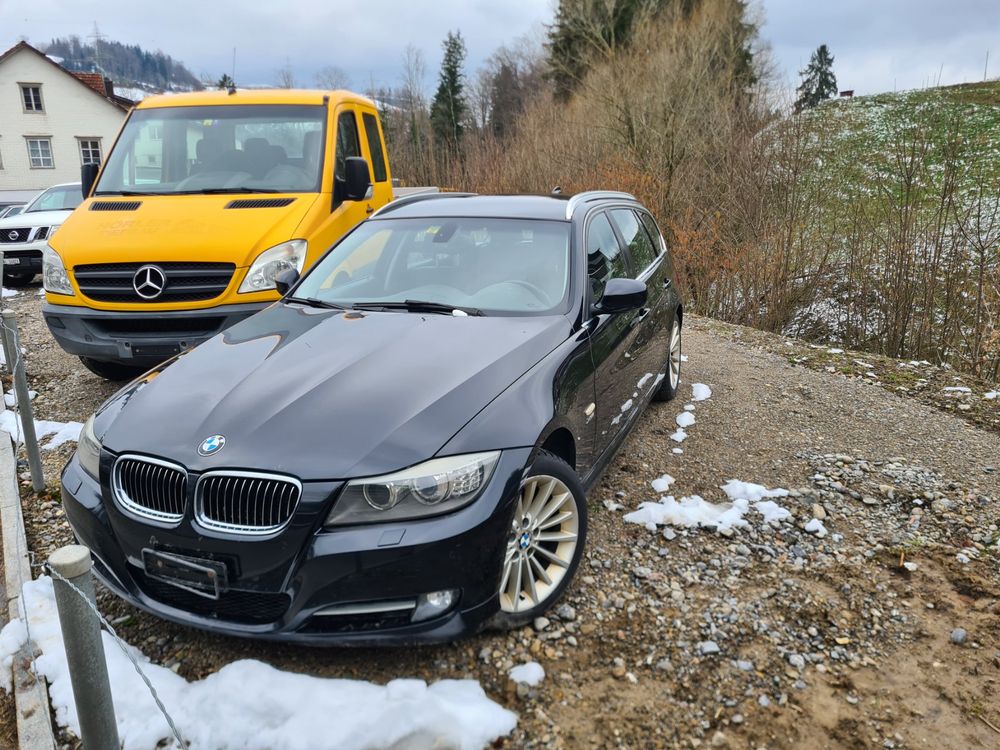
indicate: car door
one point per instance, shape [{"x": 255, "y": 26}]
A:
[
  {"x": 613, "y": 336},
  {"x": 652, "y": 339}
]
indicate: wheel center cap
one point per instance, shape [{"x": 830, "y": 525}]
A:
[{"x": 525, "y": 541}]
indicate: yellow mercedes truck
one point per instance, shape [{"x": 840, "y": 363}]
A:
[{"x": 203, "y": 199}]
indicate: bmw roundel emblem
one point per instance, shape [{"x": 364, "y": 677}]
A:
[{"x": 211, "y": 445}]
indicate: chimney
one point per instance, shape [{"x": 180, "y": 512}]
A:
[{"x": 109, "y": 87}]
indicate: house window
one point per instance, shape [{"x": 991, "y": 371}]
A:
[
  {"x": 40, "y": 153},
  {"x": 90, "y": 150},
  {"x": 31, "y": 97}
]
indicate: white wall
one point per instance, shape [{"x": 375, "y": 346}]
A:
[{"x": 71, "y": 111}]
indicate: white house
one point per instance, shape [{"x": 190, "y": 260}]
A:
[{"x": 51, "y": 121}]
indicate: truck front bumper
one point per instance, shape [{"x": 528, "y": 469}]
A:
[{"x": 143, "y": 339}]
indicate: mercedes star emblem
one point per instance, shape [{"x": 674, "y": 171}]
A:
[{"x": 149, "y": 282}]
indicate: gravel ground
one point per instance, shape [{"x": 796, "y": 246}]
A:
[{"x": 880, "y": 630}]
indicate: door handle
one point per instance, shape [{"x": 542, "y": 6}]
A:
[{"x": 643, "y": 314}]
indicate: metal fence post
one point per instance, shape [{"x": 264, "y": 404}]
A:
[
  {"x": 12, "y": 348},
  {"x": 81, "y": 630}
]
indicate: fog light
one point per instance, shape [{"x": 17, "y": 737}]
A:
[{"x": 434, "y": 604}]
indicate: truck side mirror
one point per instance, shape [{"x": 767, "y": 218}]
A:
[
  {"x": 358, "y": 179},
  {"x": 88, "y": 175},
  {"x": 285, "y": 280}
]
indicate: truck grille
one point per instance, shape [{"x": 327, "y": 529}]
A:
[
  {"x": 20, "y": 234},
  {"x": 150, "y": 488},
  {"x": 246, "y": 502},
  {"x": 185, "y": 282}
]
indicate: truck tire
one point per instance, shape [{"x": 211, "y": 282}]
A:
[
  {"x": 112, "y": 370},
  {"x": 13, "y": 279}
]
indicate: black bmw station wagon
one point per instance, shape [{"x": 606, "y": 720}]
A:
[{"x": 399, "y": 449}]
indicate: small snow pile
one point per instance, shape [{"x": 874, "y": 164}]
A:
[
  {"x": 531, "y": 673},
  {"x": 685, "y": 419},
  {"x": 957, "y": 389},
  {"x": 695, "y": 511},
  {"x": 10, "y": 398},
  {"x": 662, "y": 484},
  {"x": 252, "y": 706},
  {"x": 834, "y": 351},
  {"x": 679, "y": 437},
  {"x": 701, "y": 392},
  {"x": 991, "y": 395},
  {"x": 9, "y": 293},
  {"x": 61, "y": 432},
  {"x": 815, "y": 526}
]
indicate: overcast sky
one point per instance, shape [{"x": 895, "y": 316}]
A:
[{"x": 878, "y": 45}]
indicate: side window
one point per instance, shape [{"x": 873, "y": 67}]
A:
[
  {"x": 605, "y": 259},
  {"x": 375, "y": 147},
  {"x": 654, "y": 231},
  {"x": 347, "y": 143},
  {"x": 640, "y": 247}
]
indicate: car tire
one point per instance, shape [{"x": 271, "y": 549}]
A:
[
  {"x": 672, "y": 374},
  {"x": 112, "y": 370},
  {"x": 548, "y": 554},
  {"x": 13, "y": 279}
]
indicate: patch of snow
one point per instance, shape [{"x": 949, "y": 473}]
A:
[
  {"x": 41, "y": 292},
  {"x": 9, "y": 293},
  {"x": 688, "y": 407},
  {"x": 834, "y": 351},
  {"x": 685, "y": 419},
  {"x": 61, "y": 432},
  {"x": 735, "y": 489},
  {"x": 679, "y": 437},
  {"x": 957, "y": 389},
  {"x": 815, "y": 526},
  {"x": 991, "y": 395},
  {"x": 677, "y": 450},
  {"x": 700, "y": 392},
  {"x": 772, "y": 512},
  {"x": 689, "y": 512},
  {"x": 662, "y": 484},
  {"x": 10, "y": 398},
  {"x": 684, "y": 358},
  {"x": 251, "y": 705},
  {"x": 531, "y": 673}
]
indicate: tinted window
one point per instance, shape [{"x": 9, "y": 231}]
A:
[
  {"x": 654, "y": 231},
  {"x": 604, "y": 256},
  {"x": 347, "y": 143},
  {"x": 640, "y": 247},
  {"x": 375, "y": 147}
]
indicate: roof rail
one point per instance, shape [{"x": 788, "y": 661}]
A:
[
  {"x": 590, "y": 195},
  {"x": 405, "y": 200}
]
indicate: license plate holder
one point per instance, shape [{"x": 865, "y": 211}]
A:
[
  {"x": 11, "y": 261},
  {"x": 207, "y": 578}
]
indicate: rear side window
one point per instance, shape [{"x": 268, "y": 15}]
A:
[
  {"x": 605, "y": 259},
  {"x": 636, "y": 238},
  {"x": 347, "y": 143},
  {"x": 375, "y": 147},
  {"x": 654, "y": 231}
]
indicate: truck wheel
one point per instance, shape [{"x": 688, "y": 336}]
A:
[
  {"x": 17, "y": 279},
  {"x": 112, "y": 370}
]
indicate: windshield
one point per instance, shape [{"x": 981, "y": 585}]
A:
[
  {"x": 225, "y": 148},
  {"x": 61, "y": 198},
  {"x": 499, "y": 266}
]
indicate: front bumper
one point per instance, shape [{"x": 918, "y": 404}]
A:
[
  {"x": 143, "y": 339},
  {"x": 23, "y": 257},
  {"x": 278, "y": 585}
]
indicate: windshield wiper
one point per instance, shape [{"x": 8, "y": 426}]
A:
[
  {"x": 315, "y": 302},
  {"x": 225, "y": 191},
  {"x": 417, "y": 305},
  {"x": 128, "y": 192}
]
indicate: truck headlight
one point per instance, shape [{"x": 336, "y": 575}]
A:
[
  {"x": 88, "y": 449},
  {"x": 438, "y": 486},
  {"x": 271, "y": 262},
  {"x": 54, "y": 276}
]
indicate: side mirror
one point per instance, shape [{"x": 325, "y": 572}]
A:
[
  {"x": 358, "y": 179},
  {"x": 285, "y": 280},
  {"x": 622, "y": 295},
  {"x": 88, "y": 175}
]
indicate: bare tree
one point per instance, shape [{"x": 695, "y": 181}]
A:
[
  {"x": 331, "y": 78},
  {"x": 285, "y": 76}
]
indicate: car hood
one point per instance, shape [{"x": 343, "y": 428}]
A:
[
  {"x": 35, "y": 219},
  {"x": 178, "y": 227},
  {"x": 321, "y": 394}
]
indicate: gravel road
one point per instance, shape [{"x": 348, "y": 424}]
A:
[{"x": 880, "y": 627}]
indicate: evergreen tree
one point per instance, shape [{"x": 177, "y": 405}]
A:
[
  {"x": 449, "y": 106},
  {"x": 225, "y": 82},
  {"x": 818, "y": 81}
]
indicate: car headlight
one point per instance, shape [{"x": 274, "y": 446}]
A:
[
  {"x": 88, "y": 449},
  {"x": 54, "y": 276},
  {"x": 438, "y": 486},
  {"x": 271, "y": 262}
]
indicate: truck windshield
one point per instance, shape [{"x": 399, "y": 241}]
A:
[{"x": 217, "y": 149}]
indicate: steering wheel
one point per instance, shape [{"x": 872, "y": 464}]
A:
[{"x": 537, "y": 291}]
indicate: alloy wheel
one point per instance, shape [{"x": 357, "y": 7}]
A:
[
  {"x": 542, "y": 543},
  {"x": 675, "y": 356}
]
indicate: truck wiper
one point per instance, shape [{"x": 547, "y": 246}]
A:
[
  {"x": 315, "y": 302},
  {"x": 129, "y": 192},
  {"x": 225, "y": 191},
  {"x": 418, "y": 305}
]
